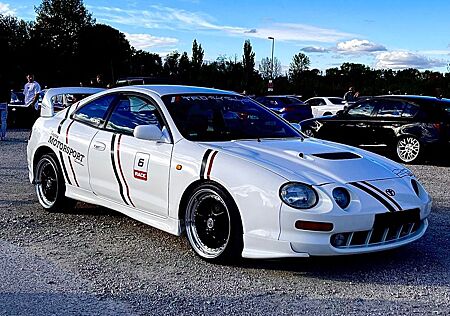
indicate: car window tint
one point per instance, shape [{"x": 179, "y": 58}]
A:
[
  {"x": 335, "y": 100},
  {"x": 224, "y": 118},
  {"x": 364, "y": 109},
  {"x": 132, "y": 111},
  {"x": 390, "y": 109},
  {"x": 94, "y": 113},
  {"x": 410, "y": 110}
]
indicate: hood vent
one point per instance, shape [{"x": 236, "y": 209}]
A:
[{"x": 337, "y": 156}]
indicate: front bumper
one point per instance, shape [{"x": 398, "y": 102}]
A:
[{"x": 356, "y": 225}]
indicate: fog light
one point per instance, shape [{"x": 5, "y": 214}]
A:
[{"x": 339, "y": 240}]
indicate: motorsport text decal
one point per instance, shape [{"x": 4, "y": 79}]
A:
[{"x": 66, "y": 149}]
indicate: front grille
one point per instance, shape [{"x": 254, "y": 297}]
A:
[{"x": 376, "y": 236}]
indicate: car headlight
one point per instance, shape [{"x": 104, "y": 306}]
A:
[
  {"x": 298, "y": 195},
  {"x": 342, "y": 197}
]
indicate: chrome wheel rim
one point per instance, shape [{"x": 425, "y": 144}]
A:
[
  {"x": 207, "y": 223},
  {"x": 47, "y": 183},
  {"x": 408, "y": 149}
]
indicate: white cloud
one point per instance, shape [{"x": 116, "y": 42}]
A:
[
  {"x": 161, "y": 17},
  {"x": 315, "y": 49},
  {"x": 405, "y": 59},
  {"x": 6, "y": 9},
  {"x": 147, "y": 41},
  {"x": 356, "y": 46}
]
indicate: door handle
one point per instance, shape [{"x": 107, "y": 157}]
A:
[{"x": 99, "y": 146}]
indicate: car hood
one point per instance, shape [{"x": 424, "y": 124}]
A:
[{"x": 311, "y": 160}]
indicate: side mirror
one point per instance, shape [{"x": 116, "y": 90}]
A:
[
  {"x": 150, "y": 132},
  {"x": 296, "y": 126}
]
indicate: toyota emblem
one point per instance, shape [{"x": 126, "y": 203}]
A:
[{"x": 390, "y": 192}]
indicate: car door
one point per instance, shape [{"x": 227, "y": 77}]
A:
[
  {"x": 127, "y": 170},
  {"x": 352, "y": 126},
  {"x": 389, "y": 119},
  {"x": 76, "y": 132}
]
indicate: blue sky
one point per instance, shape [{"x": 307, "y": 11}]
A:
[{"x": 381, "y": 34}]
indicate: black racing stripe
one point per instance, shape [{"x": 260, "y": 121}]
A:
[
  {"x": 113, "y": 161},
  {"x": 62, "y": 121},
  {"x": 375, "y": 195},
  {"x": 64, "y": 168},
  {"x": 384, "y": 194},
  {"x": 204, "y": 161}
]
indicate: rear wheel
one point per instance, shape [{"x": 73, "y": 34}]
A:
[
  {"x": 50, "y": 186},
  {"x": 213, "y": 225},
  {"x": 409, "y": 149}
]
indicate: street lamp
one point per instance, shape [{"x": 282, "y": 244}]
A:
[{"x": 271, "y": 63}]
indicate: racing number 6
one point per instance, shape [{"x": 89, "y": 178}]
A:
[{"x": 141, "y": 162}]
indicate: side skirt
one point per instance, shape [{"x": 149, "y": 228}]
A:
[{"x": 167, "y": 224}]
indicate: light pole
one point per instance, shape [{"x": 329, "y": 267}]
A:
[{"x": 271, "y": 63}]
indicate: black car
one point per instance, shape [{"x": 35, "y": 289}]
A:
[
  {"x": 290, "y": 108},
  {"x": 408, "y": 125}
]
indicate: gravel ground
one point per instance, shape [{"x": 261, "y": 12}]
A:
[{"x": 93, "y": 261}]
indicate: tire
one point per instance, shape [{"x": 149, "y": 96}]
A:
[
  {"x": 213, "y": 225},
  {"x": 409, "y": 149},
  {"x": 49, "y": 184}
]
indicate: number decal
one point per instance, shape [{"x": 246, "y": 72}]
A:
[{"x": 140, "y": 170}]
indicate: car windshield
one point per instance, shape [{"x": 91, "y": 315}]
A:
[{"x": 225, "y": 118}]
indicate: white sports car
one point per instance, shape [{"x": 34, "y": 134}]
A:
[
  {"x": 322, "y": 106},
  {"x": 239, "y": 180}
]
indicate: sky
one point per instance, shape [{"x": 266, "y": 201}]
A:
[{"x": 381, "y": 34}]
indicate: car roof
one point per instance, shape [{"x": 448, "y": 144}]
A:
[
  {"x": 418, "y": 98},
  {"x": 163, "y": 90}
]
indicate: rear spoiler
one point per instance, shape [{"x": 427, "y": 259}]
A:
[{"x": 47, "y": 106}]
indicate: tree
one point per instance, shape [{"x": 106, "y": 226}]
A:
[
  {"x": 59, "y": 23},
  {"x": 103, "y": 50},
  {"x": 265, "y": 68},
  {"x": 184, "y": 67},
  {"x": 248, "y": 62},
  {"x": 196, "y": 61},
  {"x": 299, "y": 64},
  {"x": 171, "y": 64},
  {"x": 145, "y": 64}
]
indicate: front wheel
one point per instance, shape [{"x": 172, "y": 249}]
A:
[
  {"x": 409, "y": 149},
  {"x": 213, "y": 225},
  {"x": 50, "y": 186}
]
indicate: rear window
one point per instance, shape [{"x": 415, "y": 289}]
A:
[{"x": 336, "y": 100}]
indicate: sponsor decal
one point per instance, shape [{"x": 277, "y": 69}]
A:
[
  {"x": 66, "y": 149},
  {"x": 140, "y": 169}
]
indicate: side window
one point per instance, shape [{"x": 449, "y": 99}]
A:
[
  {"x": 390, "y": 109},
  {"x": 364, "y": 109},
  {"x": 410, "y": 110},
  {"x": 94, "y": 113},
  {"x": 132, "y": 111}
]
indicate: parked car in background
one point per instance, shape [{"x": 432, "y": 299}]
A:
[
  {"x": 408, "y": 125},
  {"x": 21, "y": 115},
  {"x": 322, "y": 106},
  {"x": 290, "y": 108},
  {"x": 132, "y": 81}
]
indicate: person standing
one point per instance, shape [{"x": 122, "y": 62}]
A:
[
  {"x": 349, "y": 96},
  {"x": 31, "y": 91}
]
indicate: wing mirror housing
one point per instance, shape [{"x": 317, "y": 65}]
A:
[{"x": 151, "y": 132}]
